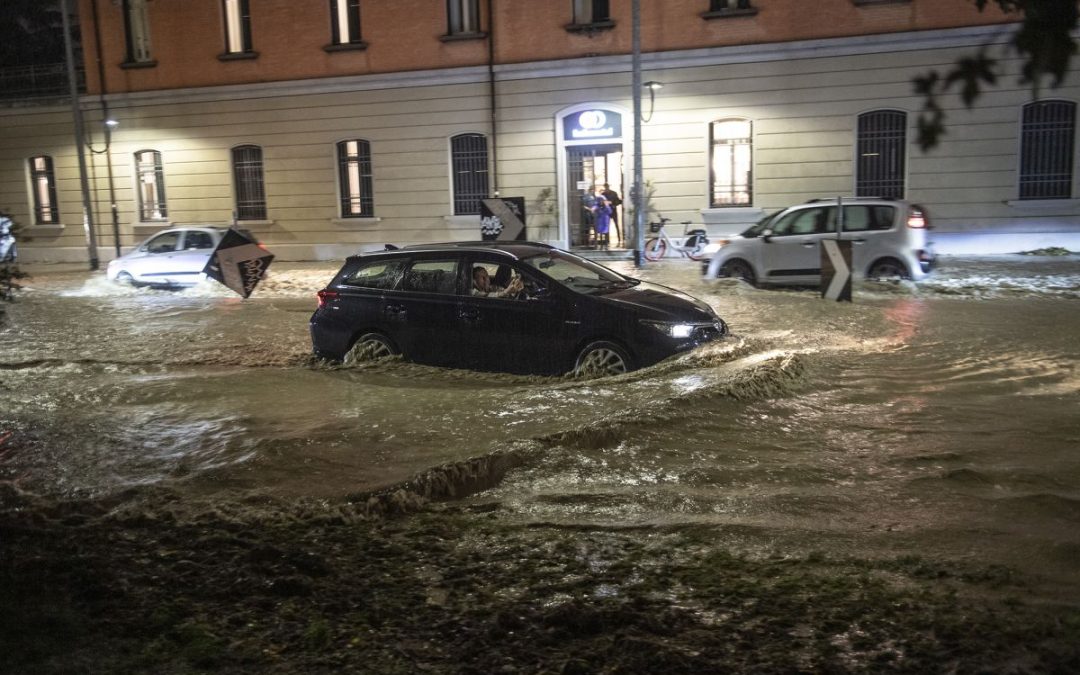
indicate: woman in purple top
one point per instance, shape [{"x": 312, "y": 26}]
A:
[{"x": 602, "y": 211}]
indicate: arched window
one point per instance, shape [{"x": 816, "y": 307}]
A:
[
  {"x": 43, "y": 189},
  {"x": 151, "y": 176},
  {"x": 469, "y": 164},
  {"x": 731, "y": 163},
  {"x": 1047, "y": 149},
  {"x": 354, "y": 179},
  {"x": 247, "y": 165},
  {"x": 881, "y": 154}
]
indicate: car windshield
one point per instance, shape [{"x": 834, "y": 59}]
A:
[
  {"x": 759, "y": 227},
  {"x": 579, "y": 274}
]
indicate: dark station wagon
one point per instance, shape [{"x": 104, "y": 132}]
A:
[{"x": 545, "y": 311}]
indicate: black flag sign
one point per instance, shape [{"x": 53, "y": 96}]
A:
[{"x": 238, "y": 262}]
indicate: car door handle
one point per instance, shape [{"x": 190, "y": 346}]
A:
[
  {"x": 469, "y": 315},
  {"x": 809, "y": 244},
  {"x": 395, "y": 311},
  {"x": 859, "y": 241}
]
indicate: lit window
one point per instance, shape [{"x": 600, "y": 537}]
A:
[
  {"x": 248, "y": 179},
  {"x": 354, "y": 179},
  {"x": 469, "y": 162},
  {"x": 151, "y": 177},
  {"x": 237, "y": 27},
  {"x": 880, "y": 154},
  {"x": 591, "y": 11},
  {"x": 43, "y": 189},
  {"x": 137, "y": 27},
  {"x": 731, "y": 162},
  {"x": 463, "y": 16},
  {"x": 345, "y": 18},
  {"x": 1047, "y": 148}
]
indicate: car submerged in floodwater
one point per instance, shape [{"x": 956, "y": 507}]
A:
[{"x": 546, "y": 311}]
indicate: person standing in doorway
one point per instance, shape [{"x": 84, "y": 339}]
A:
[
  {"x": 602, "y": 220},
  {"x": 613, "y": 199}
]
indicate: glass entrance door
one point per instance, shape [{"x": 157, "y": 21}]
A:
[{"x": 588, "y": 169}]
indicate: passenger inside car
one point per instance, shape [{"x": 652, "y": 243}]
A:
[{"x": 484, "y": 287}]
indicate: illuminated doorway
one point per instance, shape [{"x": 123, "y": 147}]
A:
[{"x": 591, "y": 156}]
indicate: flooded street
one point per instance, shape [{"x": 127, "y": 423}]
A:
[{"x": 940, "y": 420}]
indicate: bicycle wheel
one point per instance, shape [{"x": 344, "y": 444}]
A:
[
  {"x": 655, "y": 249},
  {"x": 698, "y": 252}
]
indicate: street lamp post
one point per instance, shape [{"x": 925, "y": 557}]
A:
[
  {"x": 76, "y": 110},
  {"x": 637, "y": 191}
]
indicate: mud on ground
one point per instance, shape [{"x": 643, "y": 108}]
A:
[{"x": 148, "y": 582}]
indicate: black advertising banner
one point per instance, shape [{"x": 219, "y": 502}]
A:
[
  {"x": 836, "y": 270},
  {"x": 238, "y": 262},
  {"x": 503, "y": 219}
]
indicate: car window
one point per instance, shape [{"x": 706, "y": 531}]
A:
[
  {"x": 431, "y": 276},
  {"x": 578, "y": 274},
  {"x": 197, "y": 239},
  {"x": 806, "y": 221},
  {"x": 862, "y": 218},
  {"x": 382, "y": 274},
  {"x": 163, "y": 243}
]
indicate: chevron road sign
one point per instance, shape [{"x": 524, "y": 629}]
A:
[
  {"x": 502, "y": 218},
  {"x": 836, "y": 270},
  {"x": 238, "y": 262}
]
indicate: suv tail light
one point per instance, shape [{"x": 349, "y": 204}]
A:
[
  {"x": 916, "y": 220},
  {"x": 325, "y": 297}
]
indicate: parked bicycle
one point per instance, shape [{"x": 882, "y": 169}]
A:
[{"x": 692, "y": 245}]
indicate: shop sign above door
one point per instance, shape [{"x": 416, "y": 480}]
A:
[{"x": 591, "y": 124}]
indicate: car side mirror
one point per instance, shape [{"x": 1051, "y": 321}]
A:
[{"x": 766, "y": 235}]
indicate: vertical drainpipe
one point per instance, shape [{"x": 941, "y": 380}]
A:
[
  {"x": 491, "y": 100},
  {"x": 76, "y": 110}
]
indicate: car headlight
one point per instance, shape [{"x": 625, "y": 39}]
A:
[{"x": 675, "y": 330}]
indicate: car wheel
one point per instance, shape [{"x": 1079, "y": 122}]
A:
[
  {"x": 369, "y": 347},
  {"x": 125, "y": 278},
  {"x": 888, "y": 268},
  {"x": 602, "y": 358},
  {"x": 739, "y": 269}
]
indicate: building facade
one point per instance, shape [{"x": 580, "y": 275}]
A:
[{"x": 332, "y": 126}]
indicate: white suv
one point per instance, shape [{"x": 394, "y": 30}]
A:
[{"x": 888, "y": 240}]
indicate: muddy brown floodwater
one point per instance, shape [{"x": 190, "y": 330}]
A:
[{"x": 887, "y": 485}]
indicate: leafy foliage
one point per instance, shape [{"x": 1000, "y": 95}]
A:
[{"x": 1044, "y": 40}]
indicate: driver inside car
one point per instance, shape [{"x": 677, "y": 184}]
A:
[{"x": 484, "y": 287}]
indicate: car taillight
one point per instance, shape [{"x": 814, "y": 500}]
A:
[
  {"x": 916, "y": 220},
  {"x": 325, "y": 297}
]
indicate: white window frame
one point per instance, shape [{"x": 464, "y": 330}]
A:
[
  {"x": 42, "y": 182},
  {"x": 356, "y": 176},
  {"x": 732, "y": 143},
  {"x": 150, "y": 178},
  {"x": 237, "y": 29},
  {"x": 137, "y": 27},
  {"x": 462, "y": 17}
]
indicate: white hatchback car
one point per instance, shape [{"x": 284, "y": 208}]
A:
[
  {"x": 174, "y": 257},
  {"x": 888, "y": 236}
]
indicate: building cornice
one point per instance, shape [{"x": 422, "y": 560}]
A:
[{"x": 586, "y": 66}]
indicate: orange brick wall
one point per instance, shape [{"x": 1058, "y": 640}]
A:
[{"x": 187, "y": 35}]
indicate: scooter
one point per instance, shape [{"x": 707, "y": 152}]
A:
[{"x": 8, "y": 252}]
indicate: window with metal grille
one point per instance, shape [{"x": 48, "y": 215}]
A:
[
  {"x": 248, "y": 179},
  {"x": 469, "y": 162},
  {"x": 881, "y": 154},
  {"x": 43, "y": 189},
  {"x": 237, "y": 26},
  {"x": 345, "y": 21},
  {"x": 731, "y": 163},
  {"x": 463, "y": 16},
  {"x": 591, "y": 11},
  {"x": 1047, "y": 148},
  {"x": 151, "y": 177},
  {"x": 354, "y": 179},
  {"x": 137, "y": 31}
]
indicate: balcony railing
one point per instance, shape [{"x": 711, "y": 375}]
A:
[{"x": 38, "y": 81}]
